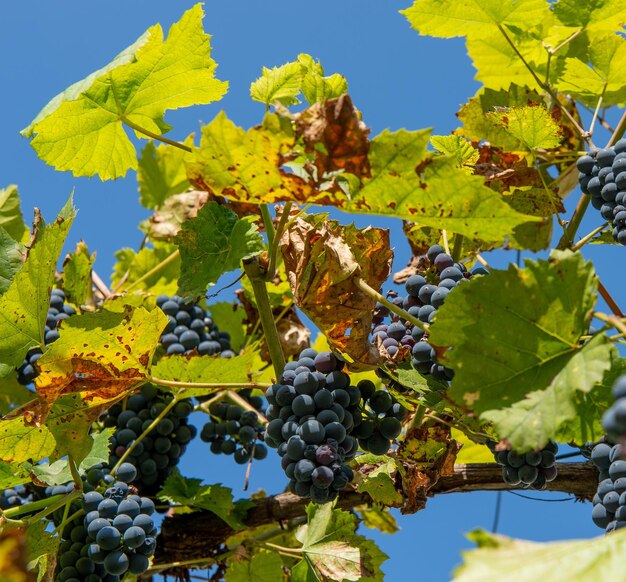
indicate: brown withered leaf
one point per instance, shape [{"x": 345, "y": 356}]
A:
[
  {"x": 336, "y": 125},
  {"x": 323, "y": 259},
  {"x": 165, "y": 223}
]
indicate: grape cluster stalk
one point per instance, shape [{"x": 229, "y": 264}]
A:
[
  {"x": 426, "y": 292},
  {"x": 602, "y": 175}
]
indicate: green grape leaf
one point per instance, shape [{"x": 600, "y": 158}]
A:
[
  {"x": 59, "y": 472},
  {"x": 498, "y": 65},
  {"x": 463, "y": 152},
  {"x": 214, "y": 243},
  {"x": 263, "y": 567},
  {"x": 447, "y": 18},
  {"x": 42, "y": 547},
  {"x": 600, "y": 558},
  {"x": 77, "y": 274},
  {"x": 379, "y": 482},
  {"x": 65, "y": 430},
  {"x": 209, "y": 369},
  {"x": 155, "y": 269},
  {"x": 161, "y": 173},
  {"x": 11, "y": 259},
  {"x": 12, "y": 394},
  {"x": 532, "y": 422},
  {"x": 229, "y": 316},
  {"x": 12, "y": 474},
  {"x": 332, "y": 550},
  {"x": 24, "y": 306},
  {"x": 594, "y": 15},
  {"x": 112, "y": 349},
  {"x": 586, "y": 425},
  {"x": 215, "y": 498},
  {"x": 11, "y": 219},
  {"x": 440, "y": 195},
  {"x": 602, "y": 76},
  {"x": 82, "y": 129},
  {"x": 283, "y": 84},
  {"x": 533, "y": 126},
  {"x": 527, "y": 329}
]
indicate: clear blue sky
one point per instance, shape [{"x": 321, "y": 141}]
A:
[{"x": 396, "y": 78}]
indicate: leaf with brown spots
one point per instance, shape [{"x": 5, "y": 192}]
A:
[
  {"x": 24, "y": 306},
  {"x": 166, "y": 221},
  {"x": 322, "y": 259},
  {"x": 37, "y": 431},
  {"x": 334, "y": 132},
  {"x": 100, "y": 355}
]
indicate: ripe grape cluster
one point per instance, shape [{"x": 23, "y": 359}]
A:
[
  {"x": 191, "y": 328},
  {"x": 14, "y": 497},
  {"x": 602, "y": 175},
  {"x": 111, "y": 533},
  {"x": 381, "y": 419},
  {"x": 235, "y": 431},
  {"x": 312, "y": 412},
  {"x": 426, "y": 292},
  {"x": 57, "y": 312},
  {"x": 161, "y": 448},
  {"x": 533, "y": 469},
  {"x": 609, "y": 502}
]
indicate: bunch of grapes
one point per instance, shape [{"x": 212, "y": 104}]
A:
[
  {"x": 533, "y": 469},
  {"x": 161, "y": 448},
  {"x": 191, "y": 328},
  {"x": 57, "y": 312},
  {"x": 602, "y": 175},
  {"x": 426, "y": 292},
  {"x": 235, "y": 431},
  {"x": 609, "y": 502},
  {"x": 381, "y": 419},
  {"x": 14, "y": 497},
  {"x": 110, "y": 535},
  {"x": 312, "y": 412}
]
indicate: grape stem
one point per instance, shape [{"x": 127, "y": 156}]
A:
[
  {"x": 446, "y": 245},
  {"x": 208, "y": 385},
  {"x": 574, "y": 223},
  {"x": 149, "y": 274},
  {"x": 100, "y": 285},
  {"x": 268, "y": 223},
  {"x": 612, "y": 320},
  {"x": 609, "y": 300},
  {"x": 568, "y": 455},
  {"x": 204, "y": 406},
  {"x": 584, "y": 240},
  {"x": 363, "y": 286},
  {"x": 150, "y": 428},
  {"x": 482, "y": 261},
  {"x": 234, "y": 397},
  {"x": 30, "y": 507},
  {"x": 155, "y": 136},
  {"x": 280, "y": 229},
  {"x": 257, "y": 275}
]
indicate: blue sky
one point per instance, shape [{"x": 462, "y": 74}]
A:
[{"x": 396, "y": 78}]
